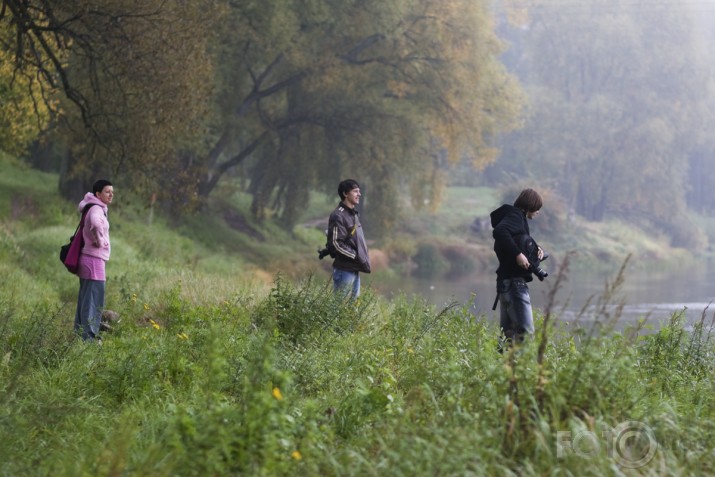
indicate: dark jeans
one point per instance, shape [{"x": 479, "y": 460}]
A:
[{"x": 516, "y": 318}]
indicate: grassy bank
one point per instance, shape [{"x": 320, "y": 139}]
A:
[
  {"x": 219, "y": 367},
  {"x": 297, "y": 383}
]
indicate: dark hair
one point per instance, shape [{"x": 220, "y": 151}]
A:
[
  {"x": 529, "y": 201},
  {"x": 100, "y": 185},
  {"x": 346, "y": 186}
]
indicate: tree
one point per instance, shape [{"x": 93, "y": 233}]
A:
[
  {"x": 614, "y": 108},
  {"x": 134, "y": 76},
  {"x": 701, "y": 159},
  {"x": 175, "y": 95},
  {"x": 150, "y": 78},
  {"x": 25, "y": 104},
  {"x": 315, "y": 91}
]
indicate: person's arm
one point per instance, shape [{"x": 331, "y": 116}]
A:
[{"x": 96, "y": 219}]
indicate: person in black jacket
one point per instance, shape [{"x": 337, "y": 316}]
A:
[
  {"x": 510, "y": 226},
  {"x": 346, "y": 242}
]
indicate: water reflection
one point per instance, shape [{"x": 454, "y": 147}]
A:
[{"x": 655, "y": 295}]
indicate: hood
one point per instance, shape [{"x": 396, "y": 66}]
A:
[
  {"x": 499, "y": 214},
  {"x": 90, "y": 198}
]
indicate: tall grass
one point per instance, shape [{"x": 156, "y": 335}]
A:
[
  {"x": 297, "y": 381},
  {"x": 215, "y": 370}
]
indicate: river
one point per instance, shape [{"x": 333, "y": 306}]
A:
[{"x": 654, "y": 294}]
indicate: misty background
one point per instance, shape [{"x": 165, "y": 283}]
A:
[
  {"x": 605, "y": 106},
  {"x": 620, "y": 110}
]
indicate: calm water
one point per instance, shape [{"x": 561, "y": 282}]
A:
[{"x": 655, "y": 294}]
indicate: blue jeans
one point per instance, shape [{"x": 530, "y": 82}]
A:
[
  {"x": 516, "y": 318},
  {"x": 90, "y": 303},
  {"x": 347, "y": 283}
]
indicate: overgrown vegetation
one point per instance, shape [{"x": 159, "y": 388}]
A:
[
  {"x": 294, "y": 381},
  {"x": 210, "y": 372}
]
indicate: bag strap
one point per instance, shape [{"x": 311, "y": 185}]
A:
[{"x": 81, "y": 221}]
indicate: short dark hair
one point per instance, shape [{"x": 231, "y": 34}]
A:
[
  {"x": 346, "y": 186},
  {"x": 100, "y": 185},
  {"x": 529, "y": 201}
]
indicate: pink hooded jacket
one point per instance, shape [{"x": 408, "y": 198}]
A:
[{"x": 96, "y": 228}]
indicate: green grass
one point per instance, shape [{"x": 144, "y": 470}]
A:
[
  {"x": 294, "y": 381},
  {"x": 458, "y": 209},
  {"x": 221, "y": 368},
  {"x": 29, "y": 193}
]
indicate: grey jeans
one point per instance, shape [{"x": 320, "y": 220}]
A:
[
  {"x": 516, "y": 318},
  {"x": 90, "y": 304}
]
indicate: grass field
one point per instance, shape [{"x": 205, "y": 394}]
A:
[{"x": 220, "y": 368}]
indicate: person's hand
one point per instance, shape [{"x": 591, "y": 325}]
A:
[
  {"x": 540, "y": 253},
  {"x": 522, "y": 261}
]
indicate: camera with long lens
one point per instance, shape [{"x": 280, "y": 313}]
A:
[
  {"x": 530, "y": 249},
  {"x": 538, "y": 271}
]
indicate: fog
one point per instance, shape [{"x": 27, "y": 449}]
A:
[
  {"x": 619, "y": 108},
  {"x": 619, "y": 114}
]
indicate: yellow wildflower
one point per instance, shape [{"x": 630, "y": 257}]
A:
[
  {"x": 154, "y": 324},
  {"x": 297, "y": 455},
  {"x": 277, "y": 394}
]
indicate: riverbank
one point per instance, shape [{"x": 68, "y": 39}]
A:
[
  {"x": 219, "y": 367},
  {"x": 298, "y": 382},
  {"x": 456, "y": 240},
  {"x": 447, "y": 245}
]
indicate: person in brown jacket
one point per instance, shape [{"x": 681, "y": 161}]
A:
[{"x": 346, "y": 241}]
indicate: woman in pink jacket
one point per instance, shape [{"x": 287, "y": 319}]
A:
[{"x": 95, "y": 253}]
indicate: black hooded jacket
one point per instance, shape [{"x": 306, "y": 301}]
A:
[{"x": 509, "y": 223}]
